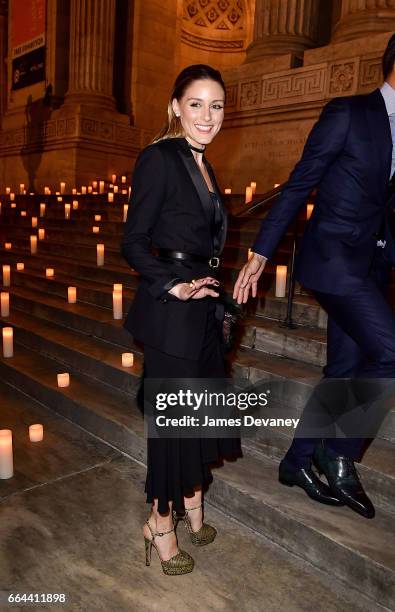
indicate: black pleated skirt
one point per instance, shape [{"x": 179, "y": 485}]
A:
[{"x": 177, "y": 466}]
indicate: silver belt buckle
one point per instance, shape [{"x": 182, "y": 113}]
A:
[{"x": 213, "y": 262}]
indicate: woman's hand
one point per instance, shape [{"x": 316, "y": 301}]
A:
[{"x": 196, "y": 289}]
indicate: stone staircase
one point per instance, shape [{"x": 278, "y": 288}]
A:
[{"x": 53, "y": 336}]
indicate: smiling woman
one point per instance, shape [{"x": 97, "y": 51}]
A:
[{"x": 176, "y": 210}]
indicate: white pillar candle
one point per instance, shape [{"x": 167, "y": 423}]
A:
[
  {"x": 113, "y": 178},
  {"x": 36, "y": 432},
  {"x": 33, "y": 244},
  {"x": 20, "y": 266},
  {"x": 281, "y": 280},
  {"x": 83, "y": 190},
  {"x": 6, "y": 457},
  {"x": 41, "y": 233},
  {"x": 248, "y": 194},
  {"x": 97, "y": 217},
  {"x": 47, "y": 190},
  {"x": 95, "y": 229},
  {"x": 101, "y": 187},
  {"x": 34, "y": 221},
  {"x": 62, "y": 187},
  {"x": 129, "y": 191},
  {"x": 42, "y": 209},
  {"x": 5, "y": 303},
  {"x": 21, "y": 188},
  {"x": 75, "y": 204},
  {"x": 309, "y": 210},
  {"x": 94, "y": 184},
  {"x": 12, "y": 196},
  {"x": 116, "y": 188},
  {"x": 127, "y": 360},
  {"x": 23, "y": 212},
  {"x": 110, "y": 197},
  {"x": 49, "y": 272},
  {"x": 100, "y": 254},
  {"x": 117, "y": 304},
  {"x": 59, "y": 199},
  {"x": 123, "y": 179},
  {"x": 8, "y": 246},
  {"x": 8, "y": 342},
  {"x": 253, "y": 187},
  {"x": 90, "y": 189},
  {"x": 13, "y": 205},
  {"x": 6, "y": 275},
  {"x": 74, "y": 191},
  {"x": 67, "y": 208},
  {"x": 63, "y": 379},
  {"x": 117, "y": 287},
  {"x": 72, "y": 295},
  {"x": 125, "y": 211},
  {"x": 228, "y": 191},
  {"x": 124, "y": 191},
  {"x": 8, "y": 190}
]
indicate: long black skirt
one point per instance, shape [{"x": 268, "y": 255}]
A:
[{"x": 176, "y": 467}]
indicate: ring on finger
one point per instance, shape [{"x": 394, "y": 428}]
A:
[{"x": 192, "y": 284}]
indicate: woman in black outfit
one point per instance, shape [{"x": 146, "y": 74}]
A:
[{"x": 176, "y": 209}]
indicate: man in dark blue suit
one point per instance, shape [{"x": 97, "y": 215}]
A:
[{"x": 345, "y": 259}]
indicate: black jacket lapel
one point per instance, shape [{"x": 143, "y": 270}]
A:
[
  {"x": 198, "y": 181},
  {"x": 224, "y": 227}
]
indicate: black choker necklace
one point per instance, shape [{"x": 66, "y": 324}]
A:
[{"x": 195, "y": 148}]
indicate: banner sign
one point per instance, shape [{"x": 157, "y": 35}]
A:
[{"x": 28, "y": 42}]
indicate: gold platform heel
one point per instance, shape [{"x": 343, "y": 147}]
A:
[
  {"x": 181, "y": 563},
  {"x": 206, "y": 533}
]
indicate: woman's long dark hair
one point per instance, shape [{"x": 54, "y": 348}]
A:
[{"x": 196, "y": 72}]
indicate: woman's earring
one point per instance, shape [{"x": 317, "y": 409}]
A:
[{"x": 178, "y": 115}]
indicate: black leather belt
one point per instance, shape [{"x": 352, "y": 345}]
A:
[{"x": 213, "y": 262}]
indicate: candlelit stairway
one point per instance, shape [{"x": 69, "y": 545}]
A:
[{"x": 53, "y": 336}]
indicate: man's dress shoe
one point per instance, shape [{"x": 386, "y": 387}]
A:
[
  {"x": 309, "y": 482},
  {"x": 344, "y": 481}
]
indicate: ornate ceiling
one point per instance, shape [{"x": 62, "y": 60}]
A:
[{"x": 218, "y": 25}]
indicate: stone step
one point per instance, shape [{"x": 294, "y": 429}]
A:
[
  {"x": 91, "y": 320},
  {"x": 106, "y": 412},
  {"x": 95, "y": 358},
  {"x": 291, "y": 383},
  {"x": 303, "y": 343},
  {"x": 329, "y": 538},
  {"x": 70, "y": 267}
]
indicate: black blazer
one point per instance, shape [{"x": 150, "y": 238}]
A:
[
  {"x": 347, "y": 157},
  {"x": 170, "y": 208}
]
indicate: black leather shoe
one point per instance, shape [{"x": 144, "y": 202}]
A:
[
  {"x": 308, "y": 480},
  {"x": 344, "y": 481}
]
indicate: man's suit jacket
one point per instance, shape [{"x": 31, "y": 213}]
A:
[
  {"x": 347, "y": 157},
  {"x": 171, "y": 208}
]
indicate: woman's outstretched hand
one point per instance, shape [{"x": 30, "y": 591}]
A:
[
  {"x": 248, "y": 278},
  {"x": 196, "y": 289}
]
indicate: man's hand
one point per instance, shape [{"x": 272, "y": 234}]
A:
[
  {"x": 195, "y": 290},
  {"x": 248, "y": 278}
]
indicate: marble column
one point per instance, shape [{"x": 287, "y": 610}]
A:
[
  {"x": 284, "y": 26},
  {"x": 91, "y": 59},
  {"x": 360, "y": 18}
]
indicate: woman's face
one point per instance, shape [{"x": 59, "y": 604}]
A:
[{"x": 201, "y": 111}]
